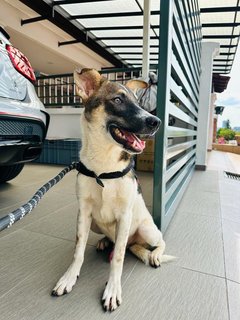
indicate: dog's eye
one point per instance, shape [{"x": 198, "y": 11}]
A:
[{"x": 117, "y": 100}]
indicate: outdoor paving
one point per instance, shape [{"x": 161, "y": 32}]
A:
[{"x": 203, "y": 283}]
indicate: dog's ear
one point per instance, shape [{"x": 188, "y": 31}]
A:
[
  {"x": 136, "y": 84},
  {"x": 87, "y": 81}
]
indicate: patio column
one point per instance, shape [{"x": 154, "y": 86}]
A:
[
  {"x": 209, "y": 51},
  {"x": 146, "y": 38},
  {"x": 211, "y": 121}
]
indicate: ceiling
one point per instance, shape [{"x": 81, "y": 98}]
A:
[
  {"x": 42, "y": 58},
  {"x": 114, "y": 28}
]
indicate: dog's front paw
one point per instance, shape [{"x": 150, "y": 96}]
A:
[
  {"x": 112, "y": 296},
  {"x": 65, "y": 284}
]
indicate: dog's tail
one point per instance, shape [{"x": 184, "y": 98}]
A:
[{"x": 167, "y": 258}]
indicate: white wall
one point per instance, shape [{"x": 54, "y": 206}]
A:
[
  {"x": 211, "y": 117},
  {"x": 64, "y": 123},
  {"x": 209, "y": 50}
]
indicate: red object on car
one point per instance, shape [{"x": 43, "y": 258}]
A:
[{"x": 21, "y": 62}]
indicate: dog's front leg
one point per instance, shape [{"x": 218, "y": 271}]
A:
[
  {"x": 66, "y": 283},
  {"x": 112, "y": 296}
]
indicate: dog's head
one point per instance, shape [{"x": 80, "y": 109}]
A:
[{"x": 116, "y": 109}]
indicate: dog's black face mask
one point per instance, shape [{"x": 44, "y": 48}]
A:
[{"x": 127, "y": 121}]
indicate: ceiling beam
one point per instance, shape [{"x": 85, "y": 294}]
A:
[
  {"x": 133, "y": 53},
  {"x": 222, "y": 60},
  {"x": 228, "y": 46},
  {"x": 62, "y": 2},
  {"x": 220, "y": 9},
  {"x": 220, "y": 36},
  {"x": 222, "y": 65},
  {"x": 221, "y": 25},
  {"x": 125, "y": 38},
  {"x": 44, "y": 9},
  {"x": 129, "y": 46},
  {"x": 111, "y": 15},
  {"x": 117, "y": 28},
  {"x": 31, "y": 20}
]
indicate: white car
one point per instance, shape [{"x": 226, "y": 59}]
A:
[{"x": 23, "y": 119}]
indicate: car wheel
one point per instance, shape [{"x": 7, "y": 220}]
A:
[{"x": 10, "y": 172}]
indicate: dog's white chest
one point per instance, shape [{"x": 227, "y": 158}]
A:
[{"x": 110, "y": 201}]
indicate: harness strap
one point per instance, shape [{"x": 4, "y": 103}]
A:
[{"x": 81, "y": 168}]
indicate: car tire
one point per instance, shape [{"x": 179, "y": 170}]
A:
[{"x": 10, "y": 172}]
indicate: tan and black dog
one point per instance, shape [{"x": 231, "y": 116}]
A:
[{"x": 111, "y": 125}]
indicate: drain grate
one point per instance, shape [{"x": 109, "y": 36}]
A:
[{"x": 232, "y": 175}]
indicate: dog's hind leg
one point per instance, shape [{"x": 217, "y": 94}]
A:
[
  {"x": 140, "y": 252},
  {"x": 66, "y": 283},
  {"x": 149, "y": 232}
]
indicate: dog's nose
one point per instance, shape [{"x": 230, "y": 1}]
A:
[{"x": 153, "y": 122}]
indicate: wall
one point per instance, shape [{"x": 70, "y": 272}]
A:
[{"x": 64, "y": 123}]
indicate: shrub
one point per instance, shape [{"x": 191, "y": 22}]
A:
[{"x": 227, "y": 134}]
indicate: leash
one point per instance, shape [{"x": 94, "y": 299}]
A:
[{"x": 8, "y": 220}]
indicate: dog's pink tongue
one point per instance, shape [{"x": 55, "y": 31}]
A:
[{"x": 138, "y": 143}]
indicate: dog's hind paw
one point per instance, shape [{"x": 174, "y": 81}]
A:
[
  {"x": 104, "y": 244},
  {"x": 156, "y": 258}
]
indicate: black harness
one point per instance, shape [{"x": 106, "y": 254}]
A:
[{"x": 81, "y": 168}]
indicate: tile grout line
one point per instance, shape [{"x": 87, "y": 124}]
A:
[
  {"x": 129, "y": 274},
  {"x": 55, "y": 237},
  {"x": 47, "y": 235},
  {"x": 24, "y": 227},
  {"x": 49, "y": 214},
  {"x": 231, "y": 220},
  {"x": 223, "y": 248},
  {"x": 230, "y": 280},
  {"x": 201, "y": 272}
]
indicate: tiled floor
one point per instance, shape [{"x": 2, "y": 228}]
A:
[{"x": 202, "y": 284}]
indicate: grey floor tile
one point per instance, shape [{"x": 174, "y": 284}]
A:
[
  {"x": 51, "y": 202},
  {"x": 230, "y": 191},
  {"x": 62, "y": 224},
  {"x": 234, "y": 300},
  {"x": 36, "y": 251},
  {"x": 31, "y": 299},
  {"x": 220, "y": 161},
  {"x": 22, "y": 253},
  {"x": 231, "y": 238},
  {"x": 33, "y": 172},
  {"x": 204, "y": 181},
  {"x": 197, "y": 242},
  {"x": 230, "y": 212},
  {"x": 200, "y": 203},
  {"x": 172, "y": 293}
]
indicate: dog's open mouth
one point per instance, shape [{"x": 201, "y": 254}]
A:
[{"x": 128, "y": 140}]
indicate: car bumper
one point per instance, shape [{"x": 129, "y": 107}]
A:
[{"x": 21, "y": 138}]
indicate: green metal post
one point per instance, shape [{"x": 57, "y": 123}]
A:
[{"x": 163, "y": 94}]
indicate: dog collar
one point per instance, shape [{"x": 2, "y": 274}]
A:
[{"x": 81, "y": 168}]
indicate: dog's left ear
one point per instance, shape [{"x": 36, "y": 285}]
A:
[
  {"x": 87, "y": 81},
  {"x": 136, "y": 84}
]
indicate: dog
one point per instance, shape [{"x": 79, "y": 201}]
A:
[{"x": 110, "y": 200}]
